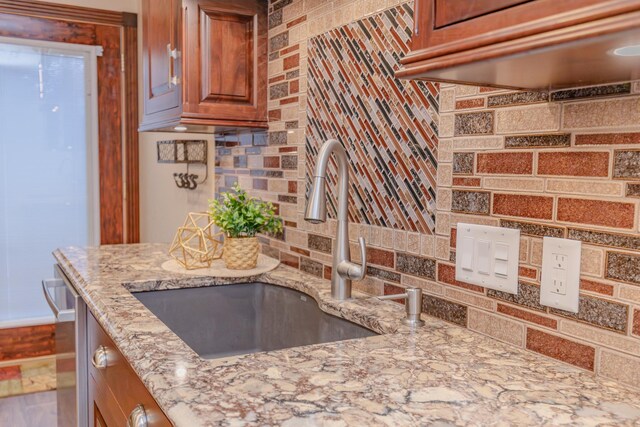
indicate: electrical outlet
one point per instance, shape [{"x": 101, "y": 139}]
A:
[{"x": 560, "y": 284}]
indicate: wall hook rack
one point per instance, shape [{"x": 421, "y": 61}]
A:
[{"x": 188, "y": 152}]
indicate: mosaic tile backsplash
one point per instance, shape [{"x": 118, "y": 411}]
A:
[{"x": 388, "y": 126}]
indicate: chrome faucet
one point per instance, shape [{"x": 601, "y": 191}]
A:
[{"x": 343, "y": 271}]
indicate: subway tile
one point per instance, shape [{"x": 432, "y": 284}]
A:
[
  {"x": 528, "y": 296},
  {"x": 380, "y": 257},
  {"x": 599, "y": 188},
  {"x": 528, "y": 273},
  {"x": 629, "y": 293},
  {"x": 290, "y": 260},
  {"x": 623, "y": 267},
  {"x": 580, "y": 163},
  {"x": 271, "y": 161},
  {"x": 600, "y": 336},
  {"x": 426, "y": 285},
  {"x": 496, "y": 327},
  {"x": 636, "y": 323},
  {"x": 538, "y": 140},
  {"x": 633, "y": 190},
  {"x": 319, "y": 243},
  {"x": 505, "y": 163},
  {"x": 447, "y": 99},
  {"x": 279, "y": 90},
  {"x": 535, "y": 118},
  {"x": 445, "y": 310},
  {"x": 516, "y": 98},
  {"x": 596, "y": 212},
  {"x": 608, "y": 138},
  {"x": 447, "y": 274},
  {"x": 622, "y": 368},
  {"x": 279, "y": 41},
  {"x": 480, "y": 123},
  {"x": 292, "y": 61},
  {"x": 469, "y": 299},
  {"x": 592, "y": 91},
  {"x": 416, "y": 265},
  {"x": 469, "y": 103},
  {"x": 519, "y": 205},
  {"x": 279, "y": 4},
  {"x": 626, "y": 164},
  {"x": 597, "y": 114},
  {"x": 599, "y": 312},
  {"x": 463, "y": 163},
  {"x": 513, "y": 183},
  {"x": 275, "y": 19},
  {"x": 598, "y": 287},
  {"x": 312, "y": 267},
  {"x": 471, "y": 201},
  {"x": 278, "y": 138},
  {"x": 284, "y": 198},
  {"x": 478, "y": 143},
  {"x": 562, "y": 349},
  {"x": 625, "y": 241},
  {"x": 289, "y": 162},
  {"x": 527, "y": 316},
  {"x": 390, "y": 289},
  {"x": 592, "y": 261},
  {"x": 391, "y": 276},
  {"x": 466, "y": 182}
]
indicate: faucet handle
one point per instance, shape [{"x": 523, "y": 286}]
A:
[
  {"x": 363, "y": 259},
  {"x": 353, "y": 271}
]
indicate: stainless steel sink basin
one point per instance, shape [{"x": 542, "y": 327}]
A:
[{"x": 220, "y": 321}]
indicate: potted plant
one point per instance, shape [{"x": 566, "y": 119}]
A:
[{"x": 241, "y": 217}]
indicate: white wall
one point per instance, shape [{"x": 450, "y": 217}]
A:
[{"x": 164, "y": 206}]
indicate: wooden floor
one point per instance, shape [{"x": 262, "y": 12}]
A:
[{"x": 29, "y": 410}]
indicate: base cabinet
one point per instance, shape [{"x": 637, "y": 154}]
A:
[{"x": 116, "y": 395}]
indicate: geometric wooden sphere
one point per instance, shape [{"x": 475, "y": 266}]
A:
[{"x": 195, "y": 246}]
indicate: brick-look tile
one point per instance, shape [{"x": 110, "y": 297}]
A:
[
  {"x": 505, "y": 163},
  {"x": 445, "y": 310},
  {"x": 528, "y": 273},
  {"x": 390, "y": 289},
  {"x": 633, "y": 190},
  {"x": 447, "y": 274},
  {"x": 597, "y": 287},
  {"x": 626, "y": 164},
  {"x": 596, "y": 212},
  {"x": 528, "y": 295},
  {"x": 271, "y": 161},
  {"x": 559, "y": 348},
  {"x": 469, "y": 103},
  {"x": 527, "y": 316},
  {"x": 391, "y": 276},
  {"x": 479, "y": 143},
  {"x": 292, "y": 61},
  {"x": 496, "y": 327},
  {"x": 10, "y": 373},
  {"x": 380, "y": 257},
  {"x": 619, "y": 367},
  {"x": 310, "y": 266},
  {"x": 623, "y": 267},
  {"x": 290, "y": 260},
  {"x": 319, "y": 243},
  {"x": 416, "y": 265},
  {"x": 636, "y": 322},
  {"x": 279, "y": 41},
  {"x": 480, "y": 123},
  {"x": 597, "y": 114},
  {"x": 538, "y": 207},
  {"x": 540, "y": 140},
  {"x": 592, "y": 91},
  {"x": 579, "y": 163},
  {"x": 517, "y": 98},
  {"x": 471, "y": 201},
  {"x": 511, "y": 183},
  {"x": 275, "y": 19},
  {"x": 463, "y": 163},
  {"x": 470, "y": 299},
  {"x": 592, "y": 261},
  {"x": 278, "y": 138},
  {"x": 535, "y": 118},
  {"x": 617, "y": 240},
  {"x": 466, "y": 182},
  {"x": 608, "y": 138},
  {"x": 297, "y": 21},
  {"x": 599, "y": 336},
  {"x": 531, "y": 229},
  {"x": 599, "y": 312},
  {"x": 600, "y": 188},
  {"x": 279, "y": 90}
]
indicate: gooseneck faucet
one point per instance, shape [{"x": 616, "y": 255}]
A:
[{"x": 343, "y": 271}]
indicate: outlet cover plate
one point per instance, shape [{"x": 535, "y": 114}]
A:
[
  {"x": 488, "y": 256},
  {"x": 560, "y": 284}
]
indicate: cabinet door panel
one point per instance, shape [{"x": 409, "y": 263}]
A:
[
  {"x": 160, "y": 27},
  {"x": 451, "y": 11},
  {"x": 103, "y": 406}
]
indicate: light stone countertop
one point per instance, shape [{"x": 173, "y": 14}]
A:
[{"x": 440, "y": 375}]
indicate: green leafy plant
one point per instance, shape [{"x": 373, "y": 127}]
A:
[{"x": 239, "y": 215}]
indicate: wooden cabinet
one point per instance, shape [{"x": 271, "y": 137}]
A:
[
  {"x": 204, "y": 64},
  {"x": 115, "y": 391},
  {"x": 534, "y": 44}
]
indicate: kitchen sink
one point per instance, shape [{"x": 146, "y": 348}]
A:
[{"x": 221, "y": 321}]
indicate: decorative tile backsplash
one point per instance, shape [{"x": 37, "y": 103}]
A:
[
  {"x": 561, "y": 164},
  {"x": 388, "y": 126}
]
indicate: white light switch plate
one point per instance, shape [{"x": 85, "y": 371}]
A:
[
  {"x": 561, "y": 273},
  {"x": 488, "y": 256}
]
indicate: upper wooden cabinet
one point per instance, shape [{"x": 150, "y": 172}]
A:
[
  {"x": 526, "y": 44},
  {"x": 204, "y": 64}
]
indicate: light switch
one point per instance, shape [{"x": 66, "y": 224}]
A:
[
  {"x": 488, "y": 256},
  {"x": 560, "y": 284},
  {"x": 484, "y": 257}
]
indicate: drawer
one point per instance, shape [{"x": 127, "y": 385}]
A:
[
  {"x": 452, "y": 11},
  {"x": 119, "y": 378}
]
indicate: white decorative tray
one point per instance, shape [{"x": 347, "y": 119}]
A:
[{"x": 218, "y": 269}]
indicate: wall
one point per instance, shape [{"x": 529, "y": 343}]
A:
[
  {"x": 131, "y": 6},
  {"x": 562, "y": 168}
]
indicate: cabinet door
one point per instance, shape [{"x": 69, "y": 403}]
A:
[
  {"x": 161, "y": 64},
  {"x": 104, "y": 410},
  {"x": 451, "y": 11},
  {"x": 225, "y": 62}
]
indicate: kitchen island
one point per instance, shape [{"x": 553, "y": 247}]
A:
[{"x": 440, "y": 374}]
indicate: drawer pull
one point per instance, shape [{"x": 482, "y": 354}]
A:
[
  {"x": 138, "y": 417},
  {"x": 100, "y": 359}
]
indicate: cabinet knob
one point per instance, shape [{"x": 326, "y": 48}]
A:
[
  {"x": 138, "y": 417},
  {"x": 100, "y": 359}
]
